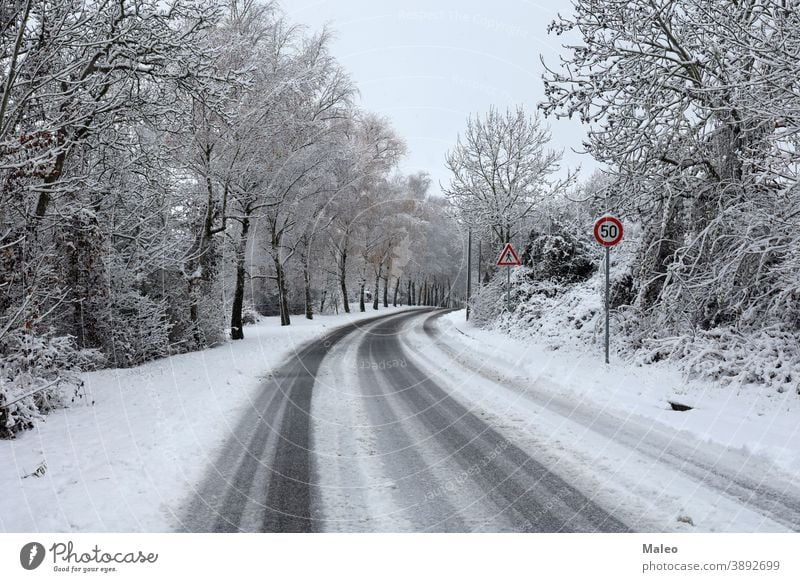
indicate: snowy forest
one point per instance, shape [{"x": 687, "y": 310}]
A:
[
  {"x": 169, "y": 170},
  {"x": 692, "y": 111}
]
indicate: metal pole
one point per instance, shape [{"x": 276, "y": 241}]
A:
[
  {"x": 480, "y": 260},
  {"x": 608, "y": 270},
  {"x": 469, "y": 269},
  {"x": 508, "y": 288}
]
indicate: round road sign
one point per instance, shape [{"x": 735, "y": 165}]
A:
[{"x": 608, "y": 231}]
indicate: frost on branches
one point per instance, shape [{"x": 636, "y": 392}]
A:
[
  {"x": 694, "y": 108},
  {"x": 501, "y": 170},
  {"x": 165, "y": 165},
  {"x": 37, "y": 374}
]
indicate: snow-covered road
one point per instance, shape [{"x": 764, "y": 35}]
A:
[
  {"x": 648, "y": 474},
  {"x": 426, "y": 461},
  {"x": 350, "y": 435},
  {"x": 397, "y": 424}
]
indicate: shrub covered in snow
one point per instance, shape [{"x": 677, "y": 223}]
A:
[
  {"x": 569, "y": 315},
  {"x": 488, "y": 301},
  {"x": 558, "y": 257},
  {"x": 38, "y": 374},
  {"x": 250, "y": 316},
  {"x": 553, "y": 263},
  {"x": 552, "y": 312},
  {"x": 140, "y": 328}
]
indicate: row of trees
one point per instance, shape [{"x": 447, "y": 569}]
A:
[
  {"x": 162, "y": 164},
  {"x": 692, "y": 109}
]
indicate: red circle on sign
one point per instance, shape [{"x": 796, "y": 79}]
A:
[{"x": 608, "y": 231}]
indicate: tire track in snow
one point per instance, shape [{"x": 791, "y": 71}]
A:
[
  {"x": 722, "y": 475},
  {"x": 262, "y": 480},
  {"x": 417, "y": 421}
]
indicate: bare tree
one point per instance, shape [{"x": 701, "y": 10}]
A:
[{"x": 501, "y": 170}]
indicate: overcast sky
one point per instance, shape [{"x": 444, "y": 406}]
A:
[{"x": 426, "y": 65}]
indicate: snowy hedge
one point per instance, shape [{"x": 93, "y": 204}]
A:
[
  {"x": 569, "y": 315},
  {"x": 38, "y": 374},
  {"x": 558, "y": 257}
]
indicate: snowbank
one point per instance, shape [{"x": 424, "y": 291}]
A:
[
  {"x": 752, "y": 364},
  {"x": 559, "y": 351}
]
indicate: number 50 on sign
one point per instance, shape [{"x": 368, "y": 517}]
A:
[{"x": 608, "y": 231}]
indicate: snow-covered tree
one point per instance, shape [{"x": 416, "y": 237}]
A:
[
  {"x": 693, "y": 107},
  {"x": 501, "y": 169}
]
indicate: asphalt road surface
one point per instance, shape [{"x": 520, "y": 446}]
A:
[
  {"x": 266, "y": 479},
  {"x": 351, "y": 434}
]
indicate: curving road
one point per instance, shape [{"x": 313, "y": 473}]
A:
[
  {"x": 361, "y": 431},
  {"x": 442, "y": 468}
]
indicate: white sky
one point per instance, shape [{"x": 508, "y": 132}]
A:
[{"x": 426, "y": 65}]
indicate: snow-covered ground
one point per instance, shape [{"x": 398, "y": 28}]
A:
[
  {"x": 127, "y": 462},
  {"x": 761, "y": 423}
]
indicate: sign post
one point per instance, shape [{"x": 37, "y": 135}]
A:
[
  {"x": 469, "y": 270},
  {"x": 607, "y": 232},
  {"x": 508, "y": 258}
]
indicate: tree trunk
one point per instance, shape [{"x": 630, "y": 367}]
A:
[
  {"x": 375, "y": 293},
  {"x": 396, "y": 290},
  {"x": 202, "y": 267},
  {"x": 280, "y": 279},
  {"x": 309, "y": 307},
  {"x": 237, "y": 328},
  {"x": 285, "y": 318},
  {"x": 307, "y": 285},
  {"x": 343, "y": 281},
  {"x": 386, "y": 291},
  {"x": 361, "y": 306},
  {"x": 322, "y": 301},
  {"x": 408, "y": 293},
  {"x": 193, "y": 315},
  {"x": 51, "y": 179}
]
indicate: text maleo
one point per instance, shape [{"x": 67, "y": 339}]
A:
[{"x": 659, "y": 549}]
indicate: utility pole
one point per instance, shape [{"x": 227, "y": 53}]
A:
[
  {"x": 480, "y": 260},
  {"x": 469, "y": 269}
]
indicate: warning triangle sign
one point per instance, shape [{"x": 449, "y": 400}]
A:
[{"x": 508, "y": 258}]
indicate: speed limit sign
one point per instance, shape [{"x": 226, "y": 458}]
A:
[{"x": 608, "y": 231}]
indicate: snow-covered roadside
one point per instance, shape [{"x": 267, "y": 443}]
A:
[
  {"x": 765, "y": 424},
  {"x": 631, "y": 457},
  {"x": 127, "y": 462}
]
